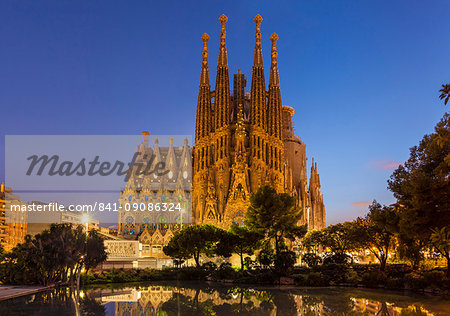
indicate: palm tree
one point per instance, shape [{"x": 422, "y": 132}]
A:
[{"x": 445, "y": 93}]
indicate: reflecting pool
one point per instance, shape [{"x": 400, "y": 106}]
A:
[{"x": 189, "y": 298}]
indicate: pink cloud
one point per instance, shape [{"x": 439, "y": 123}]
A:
[
  {"x": 361, "y": 204},
  {"x": 386, "y": 165}
]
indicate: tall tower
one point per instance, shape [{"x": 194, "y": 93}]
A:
[
  {"x": 222, "y": 135},
  {"x": 258, "y": 101},
  {"x": 274, "y": 106},
  {"x": 204, "y": 127},
  {"x": 317, "y": 210},
  {"x": 276, "y": 148}
]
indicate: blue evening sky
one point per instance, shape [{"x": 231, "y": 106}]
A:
[{"x": 363, "y": 76}]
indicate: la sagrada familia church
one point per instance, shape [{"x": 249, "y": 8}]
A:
[{"x": 243, "y": 140}]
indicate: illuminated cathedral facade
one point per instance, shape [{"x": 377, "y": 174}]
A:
[
  {"x": 243, "y": 140},
  {"x": 246, "y": 140}
]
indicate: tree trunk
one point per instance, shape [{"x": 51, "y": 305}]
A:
[
  {"x": 276, "y": 246},
  {"x": 415, "y": 263},
  {"x": 383, "y": 263},
  {"x": 448, "y": 266},
  {"x": 78, "y": 278},
  {"x": 196, "y": 258}
]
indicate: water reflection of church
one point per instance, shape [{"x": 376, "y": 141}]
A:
[
  {"x": 170, "y": 300},
  {"x": 158, "y": 300}
]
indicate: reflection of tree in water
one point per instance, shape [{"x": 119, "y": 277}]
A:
[
  {"x": 310, "y": 305},
  {"x": 234, "y": 301},
  {"x": 338, "y": 305},
  {"x": 90, "y": 307},
  {"x": 414, "y": 310},
  {"x": 245, "y": 304},
  {"x": 224, "y": 300},
  {"x": 56, "y": 302},
  {"x": 285, "y": 303},
  {"x": 383, "y": 310},
  {"x": 188, "y": 305}
]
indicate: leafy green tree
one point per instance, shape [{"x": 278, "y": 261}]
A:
[
  {"x": 175, "y": 251},
  {"x": 192, "y": 241},
  {"x": 339, "y": 238},
  {"x": 376, "y": 232},
  {"x": 95, "y": 251},
  {"x": 275, "y": 216},
  {"x": 445, "y": 93},
  {"x": 266, "y": 256},
  {"x": 313, "y": 240},
  {"x": 55, "y": 255},
  {"x": 312, "y": 259},
  {"x": 440, "y": 239},
  {"x": 421, "y": 187},
  {"x": 239, "y": 240},
  {"x": 285, "y": 261}
]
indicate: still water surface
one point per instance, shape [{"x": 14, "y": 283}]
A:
[{"x": 198, "y": 299}]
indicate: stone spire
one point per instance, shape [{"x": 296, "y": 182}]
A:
[
  {"x": 204, "y": 76},
  {"x": 317, "y": 212},
  {"x": 203, "y": 126},
  {"x": 274, "y": 107},
  {"x": 274, "y": 76},
  {"x": 258, "y": 85},
  {"x": 222, "y": 92}
]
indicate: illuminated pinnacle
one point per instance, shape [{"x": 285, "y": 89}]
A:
[
  {"x": 258, "y": 19},
  {"x": 274, "y": 37},
  {"x": 205, "y": 37},
  {"x": 223, "y": 19},
  {"x": 204, "y": 76}
]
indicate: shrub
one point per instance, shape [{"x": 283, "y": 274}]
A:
[
  {"x": 317, "y": 279},
  {"x": 285, "y": 262},
  {"x": 209, "y": 266},
  {"x": 192, "y": 273},
  {"x": 434, "y": 278},
  {"x": 340, "y": 258},
  {"x": 335, "y": 272},
  {"x": 119, "y": 277},
  {"x": 249, "y": 263},
  {"x": 266, "y": 256},
  {"x": 394, "y": 283},
  {"x": 301, "y": 270},
  {"x": 300, "y": 279},
  {"x": 351, "y": 277},
  {"x": 397, "y": 270},
  {"x": 265, "y": 277},
  {"x": 312, "y": 259},
  {"x": 415, "y": 281},
  {"x": 374, "y": 278},
  {"x": 225, "y": 272}
]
